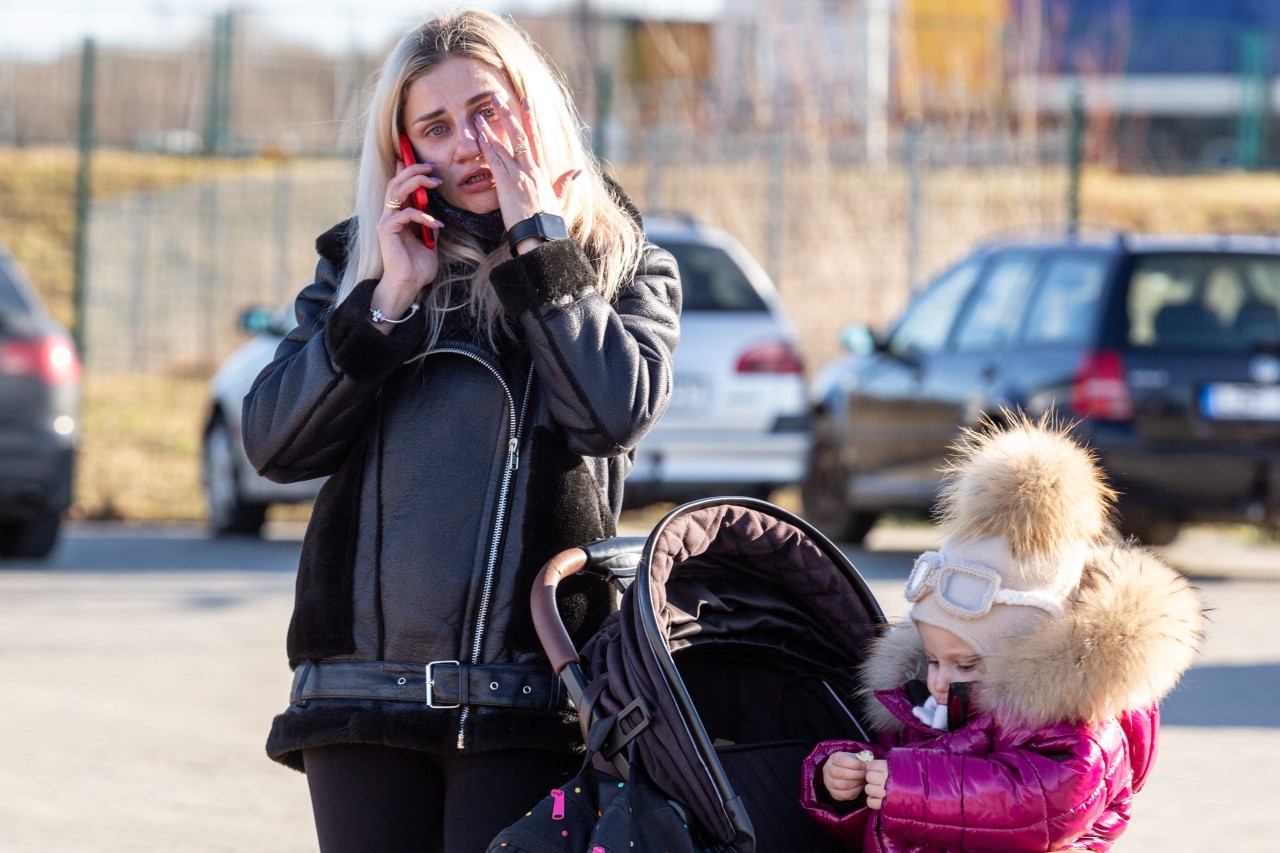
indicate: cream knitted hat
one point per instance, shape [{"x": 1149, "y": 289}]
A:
[{"x": 1022, "y": 505}]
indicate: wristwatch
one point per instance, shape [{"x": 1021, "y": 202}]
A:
[{"x": 547, "y": 226}]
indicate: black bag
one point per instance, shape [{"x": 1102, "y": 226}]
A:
[{"x": 596, "y": 813}]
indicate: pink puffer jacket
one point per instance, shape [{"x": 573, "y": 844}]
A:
[{"x": 1059, "y": 736}]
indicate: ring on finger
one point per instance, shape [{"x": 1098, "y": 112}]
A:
[
  {"x": 519, "y": 149},
  {"x": 394, "y": 203}
]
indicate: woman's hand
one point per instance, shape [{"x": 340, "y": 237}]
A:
[
  {"x": 407, "y": 264},
  {"x": 519, "y": 175},
  {"x": 844, "y": 775},
  {"x": 877, "y": 779}
]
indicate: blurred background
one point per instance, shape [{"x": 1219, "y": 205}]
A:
[
  {"x": 164, "y": 165},
  {"x": 167, "y": 164}
]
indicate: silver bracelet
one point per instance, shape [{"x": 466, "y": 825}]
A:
[{"x": 379, "y": 317}]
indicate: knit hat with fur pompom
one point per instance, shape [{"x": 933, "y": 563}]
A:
[{"x": 1022, "y": 506}]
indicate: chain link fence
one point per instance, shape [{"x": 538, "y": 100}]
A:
[{"x": 181, "y": 244}]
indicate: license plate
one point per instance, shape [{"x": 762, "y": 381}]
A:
[
  {"x": 689, "y": 394},
  {"x": 1238, "y": 402}
]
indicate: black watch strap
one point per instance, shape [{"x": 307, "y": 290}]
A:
[{"x": 548, "y": 226}]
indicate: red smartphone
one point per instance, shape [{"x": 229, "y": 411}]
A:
[{"x": 418, "y": 199}]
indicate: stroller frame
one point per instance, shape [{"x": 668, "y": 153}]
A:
[{"x": 627, "y": 561}]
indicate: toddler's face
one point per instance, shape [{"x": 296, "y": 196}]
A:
[{"x": 950, "y": 659}]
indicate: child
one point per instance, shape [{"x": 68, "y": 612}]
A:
[{"x": 1017, "y": 708}]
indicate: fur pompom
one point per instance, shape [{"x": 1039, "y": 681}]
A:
[{"x": 1029, "y": 484}]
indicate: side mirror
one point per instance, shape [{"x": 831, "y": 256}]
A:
[
  {"x": 255, "y": 321},
  {"x": 858, "y": 339}
]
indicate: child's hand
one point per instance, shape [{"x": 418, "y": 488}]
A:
[
  {"x": 877, "y": 777},
  {"x": 844, "y": 774}
]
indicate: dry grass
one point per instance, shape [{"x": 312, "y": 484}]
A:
[{"x": 38, "y": 200}]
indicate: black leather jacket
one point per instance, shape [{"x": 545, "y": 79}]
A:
[{"x": 454, "y": 475}]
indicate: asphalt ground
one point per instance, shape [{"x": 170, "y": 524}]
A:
[{"x": 140, "y": 668}]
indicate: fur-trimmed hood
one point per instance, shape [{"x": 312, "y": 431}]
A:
[{"x": 1131, "y": 629}]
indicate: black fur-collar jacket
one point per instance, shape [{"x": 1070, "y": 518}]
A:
[{"x": 452, "y": 478}]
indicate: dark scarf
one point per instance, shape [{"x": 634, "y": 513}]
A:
[{"x": 486, "y": 226}]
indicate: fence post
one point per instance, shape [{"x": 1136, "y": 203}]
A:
[
  {"x": 1075, "y": 157},
  {"x": 88, "y": 71},
  {"x": 776, "y": 212},
  {"x": 218, "y": 120},
  {"x": 916, "y": 152},
  {"x": 1251, "y": 138}
]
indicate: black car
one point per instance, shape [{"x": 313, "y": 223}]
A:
[
  {"x": 39, "y": 418},
  {"x": 1165, "y": 351}
]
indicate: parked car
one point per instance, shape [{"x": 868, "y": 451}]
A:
[
  {"x": 737, "y": 423},
  {"x": 1165, "y": 350},
  {"x": 39, "y": 418}
]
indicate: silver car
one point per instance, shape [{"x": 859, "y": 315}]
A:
[{"x": 737, "y": 423}]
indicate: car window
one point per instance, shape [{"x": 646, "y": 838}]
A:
[
  {"x": 928, "y": 319},
  {"x": 1204, "y": 301},
  {"x": 712, "y": 281},
  {"x": 993, "y": 315},
  {"x": 1063, "y": 307}
]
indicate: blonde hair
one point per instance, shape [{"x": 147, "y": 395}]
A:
[{"x": 611, "y": 238}]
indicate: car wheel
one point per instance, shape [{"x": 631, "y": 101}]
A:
[
  {"x": 32, "y": 540},
  {"x": 228, "y": 512},
  {"x": 823, "y": 491}
]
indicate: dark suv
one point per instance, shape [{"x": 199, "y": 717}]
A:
[
  {"x": 1165, "y": 350},
  {"x": 39, "y": 418}
]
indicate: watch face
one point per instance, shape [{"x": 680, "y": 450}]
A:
[{"x": 552, "y": 226}]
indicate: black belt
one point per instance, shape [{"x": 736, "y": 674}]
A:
[{"x": 439, "y": 684}]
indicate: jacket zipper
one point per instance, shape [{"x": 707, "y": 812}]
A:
[{"x": 512, "y": 463}]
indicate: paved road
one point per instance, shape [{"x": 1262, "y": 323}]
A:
[{"x": 140, "y": 668}]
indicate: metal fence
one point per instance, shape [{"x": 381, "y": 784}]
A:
[{"x": 845, "y": 231}]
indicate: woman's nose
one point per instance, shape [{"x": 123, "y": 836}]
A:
[{"x": 469, "y": 144}]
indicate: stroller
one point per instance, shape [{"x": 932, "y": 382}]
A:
[{"x": 733, "y": 652}]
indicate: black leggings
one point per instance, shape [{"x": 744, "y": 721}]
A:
[{"x": 370, "y": 799}]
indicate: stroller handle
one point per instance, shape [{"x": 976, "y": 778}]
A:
[{"x": 546, "y": 618}]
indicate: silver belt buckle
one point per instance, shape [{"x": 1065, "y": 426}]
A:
[{"x": 431, "y": 682}]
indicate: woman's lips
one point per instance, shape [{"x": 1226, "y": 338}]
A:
[{"x": 477, "y": 182}]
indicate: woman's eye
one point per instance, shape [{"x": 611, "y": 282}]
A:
[
  {"x": 488, "y": 112},
  {"x": 437, "y": 130}
]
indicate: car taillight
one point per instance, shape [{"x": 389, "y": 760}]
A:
[
  {"x": 771, "y": 357},
  {"x": 1100, "y": 389},
  {"x": 51, "y": 359}
]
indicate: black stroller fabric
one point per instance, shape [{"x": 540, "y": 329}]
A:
[{"x": 766, "y": 622}]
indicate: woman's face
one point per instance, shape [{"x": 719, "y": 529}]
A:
[
  {"x": 439, "y": 115},
  {"x": 951, "y": 659}
]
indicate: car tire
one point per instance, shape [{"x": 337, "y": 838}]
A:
[
  {"x": 31, "y": 540},
  {"x": 229, "y": 512},
  {"x": 824, "y": 493}
]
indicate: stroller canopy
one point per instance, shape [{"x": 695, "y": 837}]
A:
[{"x": 715, "y": 575}]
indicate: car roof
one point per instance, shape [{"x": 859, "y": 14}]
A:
[
  {"x": 1127, "y": 243},
  {"x": 676, "y": 227}
]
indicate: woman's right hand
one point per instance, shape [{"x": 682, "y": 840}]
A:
[
  {"x": 407, "y": 264},
  {"x": 844, "y": 775}
]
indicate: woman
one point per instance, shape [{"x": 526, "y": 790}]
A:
[{"x": 476, "y": 406}]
